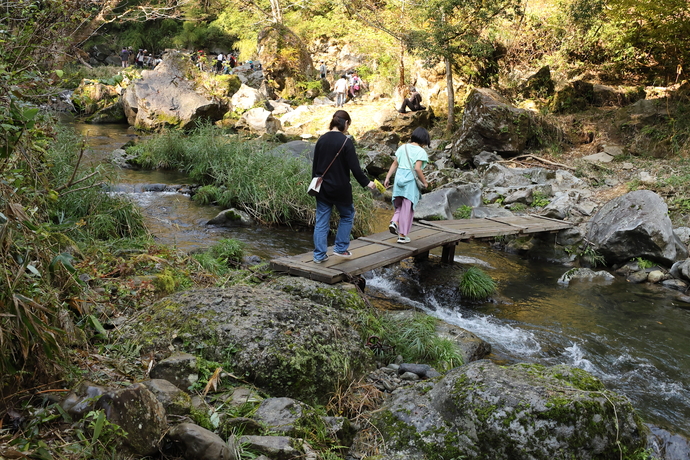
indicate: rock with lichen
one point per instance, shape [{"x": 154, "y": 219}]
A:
[
  {"x": 486, "y": 411},
  {"x": 283, "y": 343}
]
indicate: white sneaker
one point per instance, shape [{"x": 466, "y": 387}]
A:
[{"x": 404, "y": 239}]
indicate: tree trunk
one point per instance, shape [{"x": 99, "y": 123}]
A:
[
  {"x": 276, "y": 11},
  {"x": 451, "y": 96},
  {"x": 401, "y": 82}
]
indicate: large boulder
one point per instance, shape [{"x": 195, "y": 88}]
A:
[
  {"x": 166, "y": 97},
  {"x": 258, "y": 121},
  {"x": 287, "y": 345},
  {"x": 442, "y": 203},
  {"x": 490, "y": 123},
  {"x": 635, "y": 225},
  {"x": 247, "y": 97},
  {"x": 486, "y": 411},
  {"x": 92, "y": 96}
]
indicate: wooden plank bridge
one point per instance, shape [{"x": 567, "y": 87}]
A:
[{"x": 381, "y": 249}]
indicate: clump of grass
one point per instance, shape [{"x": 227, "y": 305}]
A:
[
  {"x": 476, "y": 284},
  {"x": 463, "y": 212},
  {"x": 414, "y": 338},
  {"x": 225, "y": 254}
]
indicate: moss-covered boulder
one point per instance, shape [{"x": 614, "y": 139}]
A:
[
  {"x": 486, "y": 411},
  {"x": 285, "y": 59},
  {"x": 285, "y": 344},
  {"x": 92, "y": 96},
  {"x": 491, "y": 123}
]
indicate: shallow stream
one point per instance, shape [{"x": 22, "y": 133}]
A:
[{"x": 633, "y": 337}]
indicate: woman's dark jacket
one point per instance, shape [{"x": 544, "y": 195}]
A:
[{"x": 336, "y": 186}]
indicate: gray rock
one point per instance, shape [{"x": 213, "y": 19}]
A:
[
  {"x": 656, "y": 276},
  {"x": 445, "y": 201},
  {"x": 259, "y": 121},
  {"x": 483, "y": 212},
  {"x": 638, "y": 277},
  {"x": 409, "y": 376},
  {"x": 485, "y": 158},
  {"x": 419, "y": 369},
  {"x": 635, "y": 225},
  {"x": 198, "y": 443},
  {"x": 601, "y": 157},
  {"x": 683, "y": 233},
  {"x": 678, "y": 285},
  {"x": 139, "y": 413},
  {"x": 486, "y": 411},
  {"x": 174, "y": 400},
  {"x": 180, "y": 369},
  {"x": 231, "y": 218},
  {"x": 584, "y": 274},
  {"x": 275, "y": 447},
  {"x": 281, "y": 414},
  {"x": 613, "y": 150},
  {"x": 164, "y": 97},
  {"x": 83, "y": 399},
  {"x": 491, "y": 123},
  {"x": 246, "y": 98}
]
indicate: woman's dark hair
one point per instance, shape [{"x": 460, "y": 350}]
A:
[
  {"x": 421, "y": 136},
  {"x": 340, "y": 117}
]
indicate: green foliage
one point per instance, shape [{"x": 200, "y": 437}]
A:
[
  {"x": 453, "y": 29},
  {"x": 644, "y": 264},
  {"x": 476, "y": 284},
  {"x": 270, "y": 187},
  {"x": 414, "y": 338},
  {"x": 539, "y": 200},
  {"x": 463, "y": 212}
]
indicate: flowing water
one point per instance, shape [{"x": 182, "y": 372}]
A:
[{"x": 633, "y": 337}]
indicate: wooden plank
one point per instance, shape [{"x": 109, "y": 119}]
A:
[
  {"x": 562, "y": 222},
  {"x": 312, "y": 271},
  {"x": 357, "y": 266},
  {"x": 504, "y": 221},
  {"x": 385, "y": 243},
  {"x": 443, "y": 227}
]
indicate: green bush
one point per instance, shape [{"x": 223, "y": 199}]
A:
[{"x": 476, "y": 284}]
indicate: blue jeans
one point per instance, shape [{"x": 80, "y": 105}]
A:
[{"x": 342, "y": 235}]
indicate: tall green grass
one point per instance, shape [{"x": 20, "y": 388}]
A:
[
  {"x": 243, "y": 174},
  {"x": 414, "y": 338}
]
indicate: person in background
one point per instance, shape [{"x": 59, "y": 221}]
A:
[
  {"x": 124, "y": 57},
  {"x": 410, "y": 159},
  {"x": 413, "y": 101},
  {"x": 323, "y": 70},
  {"x": 337, "y": 150},
  {"x": 355, "y": 85},
  {"x": 219, "y": 63},
  {"x": 340, "y": 89}
]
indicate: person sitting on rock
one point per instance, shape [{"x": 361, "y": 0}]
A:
[{"x": 413, "y": 101}]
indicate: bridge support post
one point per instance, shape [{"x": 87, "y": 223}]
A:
[
  {"x": 422, "y": 256},
  {"x": 448, "y": 253}
]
